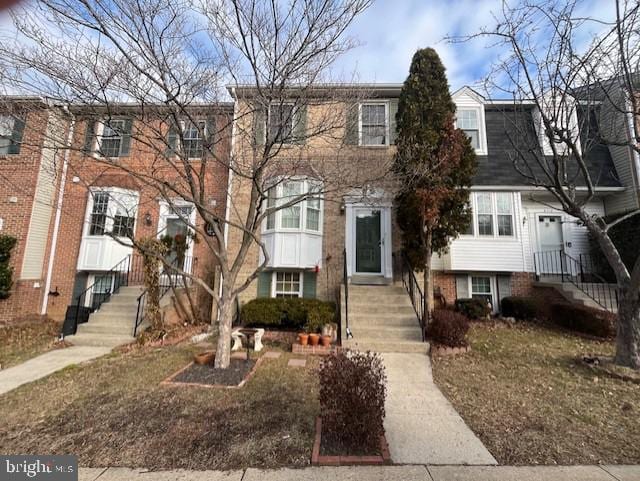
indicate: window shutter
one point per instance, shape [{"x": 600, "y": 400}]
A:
[
  {"x": 264, "y": 284},
  {"x": 351, "y": 127},
  {"x": 462, "y": 287},
  {"x": 172, "y": 140},
  {"x": 89, "y": 136},
  {"x": 260, "y": 124},
  {"x": 300, "y": 125},
  {"x": 309, "y": 285},
  {"x": 393, "y": 128},
  {"x": 125, "y": 144},
  {"x": 16, "y": 136}
]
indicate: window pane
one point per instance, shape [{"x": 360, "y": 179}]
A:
[
  {"x": 313, "y": 218},
  {"x": 287, "y": 284},
  {"x": 467, "y": 119},
  {"x": 123, "y": 226},
  {"x": 483, "y": 202},
  {"x": 192, "y": 144},
  {"x": 99, "y": 213},
  {"x": 280, "y": 122},
  {"x": 505, "y": 225},
  {"x": 271, "y": 202},
  {"x": 290, "y": 217},
  {"x": 111, "y": 138},
  {"x": 480, "y": 285},
  {"x": 474, "y": 136},
  {"x": 503, "y": 202},
  {"x": 374, "y": 124},
  {"x": 485, "y": 224}
]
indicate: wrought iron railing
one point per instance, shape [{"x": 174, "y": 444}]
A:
[
  {"x": 345, "y": 280},
  {"x": 415, "y": 293},
  {"x": 92, "y": 298},
  {"x": 170, "y": 278},
  {"x": 581, "y": 273}
]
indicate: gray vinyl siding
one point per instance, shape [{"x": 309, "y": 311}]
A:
[{"x": 43, "y": 200}]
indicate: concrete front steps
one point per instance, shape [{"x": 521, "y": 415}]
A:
[
  {"x": 112, "y": 324},
  {"x": 381, "y": 319}
]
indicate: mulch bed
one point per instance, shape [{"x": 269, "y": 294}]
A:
[
  {"x": 329, "y": 451},
  {"x": 235, "y": 376}
]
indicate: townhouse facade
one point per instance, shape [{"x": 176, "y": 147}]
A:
[{"x": 87, "y": 204}]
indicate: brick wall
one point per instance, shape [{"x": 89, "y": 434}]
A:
[{"x": 522, "y": 284}]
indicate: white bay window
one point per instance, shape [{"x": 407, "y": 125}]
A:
[
  {"x": 304, "y": 215},
  {"x": 493, "y": 214}
]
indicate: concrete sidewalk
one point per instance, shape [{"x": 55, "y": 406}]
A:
[
  {"x": 46, "y": 364},
  {"x": 421, "y": 426},
  {"x": 383, "y": 473}
]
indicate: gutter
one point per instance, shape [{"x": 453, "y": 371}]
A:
[{"x": 56, "y": 223}]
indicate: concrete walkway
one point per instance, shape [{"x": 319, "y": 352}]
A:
[
  {"x": 46, "y": 364},
  {"x": 421, "y": 426},
  {"x": 383, "y": 473}
]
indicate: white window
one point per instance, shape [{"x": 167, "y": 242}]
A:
[
  {"x": 374, "y": 124},
  {"x": 492, "y": 215},
  {"x": 504, "y": 208},
  {"x": 98, "y": 219},
  {"x": 7, "y": 123},
  {"x": 281, "y": 122},
  {"x": 192, "y": 139},
  {"x": 304, "y": 215},
  {"x": 484, "y": 208},
  {"x": 287, "y": 284},
  {"x": 110, "y": 141},
  {"x": 481, "y": 288},
  {"x": 467, "y": 120},
  {"x": 113, "y": 213}
]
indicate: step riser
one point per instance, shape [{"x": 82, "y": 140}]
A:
[
  {"x": 364, "y": 309},
  {"x": 357, "y": 324},
  {"x": 100, "y": 329},
  {"x": 381, "y": 335},
  {"x": 421, "y": 348}
]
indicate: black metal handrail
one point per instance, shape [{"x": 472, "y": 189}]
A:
[
  {"x": 92, "y": 298},
  {"x": 345, "y": 280},
  {"x": 415, "y": 293},
  {"x": 168, "y": 280},
  {"x": 581, "y": 273}
]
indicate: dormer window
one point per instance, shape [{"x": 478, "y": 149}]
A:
[
  {"x": 467, "y": 120},
  {"x": 374, "y": 124}
]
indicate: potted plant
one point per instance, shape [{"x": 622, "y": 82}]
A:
[
  {"x": 204, "y": 357},
  {"x": 325, "y": 340},
  {"x": 303, "y": 338},
  {"x": 313, "y": 327}
]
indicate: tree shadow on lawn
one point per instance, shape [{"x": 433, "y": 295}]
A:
[{"x": 269, "y": 423}]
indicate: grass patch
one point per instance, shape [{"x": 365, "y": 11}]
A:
[
  {"x": 22, "y": 341},
  {"x": 113, "y": 412},
  {"x": 525, "y": 394}
]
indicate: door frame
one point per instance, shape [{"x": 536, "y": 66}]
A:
[
  {"x": 384, "y": 207},
  {"x": 381, "y": 245},
  {"x": 165, "y": 213},
  {"x": 553, "y": 271}
]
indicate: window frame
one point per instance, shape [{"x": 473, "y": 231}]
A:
[
  {"x": 12, "y": 126},
  {"x": 290, "y": 140},
  {"x": 465, "y": 130},
  {"x": 385, "y": 103},
  {"x": 284, "y": 294},
  {"x": 492, "y": 287},
  {"x": 482, "y": 127},
  {"x": 475, "y": 226},
  {"x": 97, "y": 145},
  {"x": 184, "y": 124},
  {"x": 307, "y": 185},
  {"x": 109, "y": 214}
]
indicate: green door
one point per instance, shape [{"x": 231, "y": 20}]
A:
[{"x": 368, "y": 245}]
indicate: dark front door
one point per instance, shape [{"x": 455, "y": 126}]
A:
[{"x": 368, "y": 245}]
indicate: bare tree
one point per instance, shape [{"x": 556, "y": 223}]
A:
[
  {"x": 166, "y": 64},
  {"x": 584, "y": 90}
]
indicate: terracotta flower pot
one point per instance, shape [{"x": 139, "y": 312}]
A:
[
  {"x": 326, "y": 341},
  {"x": 314, "y": 339},
  {"x": 204, "y": 357},
  {"x": 303, "y": 338}
]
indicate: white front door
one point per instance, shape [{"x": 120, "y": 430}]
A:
[
  {"x": 551, "y": 244},
  {"x": 175, "y": 229}
]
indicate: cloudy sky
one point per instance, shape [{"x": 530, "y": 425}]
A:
[{"x": 390, "y": 31}]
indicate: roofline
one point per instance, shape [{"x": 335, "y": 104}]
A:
[{"x": 526, "y": 188}]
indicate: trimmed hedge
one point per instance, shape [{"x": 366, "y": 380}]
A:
[
  {"x": 7, "y": 243},
  {"x": 587, "y": 320},
  {"x": 473, "y": 308},
  {"x": 524, "y": 308},
  {"x": 288, "y": 313},
  {"x": 448, "y": 328}
]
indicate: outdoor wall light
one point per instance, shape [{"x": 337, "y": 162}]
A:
[
  {"x": 147, "y": 219},
  {"x": 342, "y": 207}
]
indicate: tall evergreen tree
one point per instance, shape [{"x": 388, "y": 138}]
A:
[{"x": 435, "y": 163}]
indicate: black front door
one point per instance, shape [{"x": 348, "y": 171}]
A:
[{"x": 368, "y": 242}]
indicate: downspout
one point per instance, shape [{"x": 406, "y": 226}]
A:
[
  {"x": 229, "y": 179},
  {"x": 56, "y": 222},
  {"x": 635, "y": 157}
]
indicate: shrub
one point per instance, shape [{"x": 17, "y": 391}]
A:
[
  {"x": 587, "y": 320},
  {"x": 352, "y": 396},
  {"x": 473, "y": 308},
  {"x": 524, "y": 308},
  {"x": 7, "y": 243},
  {"x": 287, "y": 313},
  {"x": 449, "y": 328}
]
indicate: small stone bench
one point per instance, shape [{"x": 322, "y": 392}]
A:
[{"x": 237, "y": 337}]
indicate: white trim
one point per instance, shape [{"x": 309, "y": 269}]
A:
[
  {"x": 165, "y": 213},
  {"x": 306, "y": 183},
  {"x": 386, "y": 120},
  {"x": 482, "y": 148},
  {"x": 274, "y": 277},
  {"x": 494, "y": 217},
  {"x": 492, "y": 286}
]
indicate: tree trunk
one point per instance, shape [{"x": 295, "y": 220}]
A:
[
  {"x": 628, "y": 331},
  {"x": 428, "y": 288},
  {"x": 225, "y": 319}
]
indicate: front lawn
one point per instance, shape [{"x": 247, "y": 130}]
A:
[
  {"x": 26, "y": 339},
  {"x": 530, "y": 401},
  {"x": 114, "y": 412}
]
